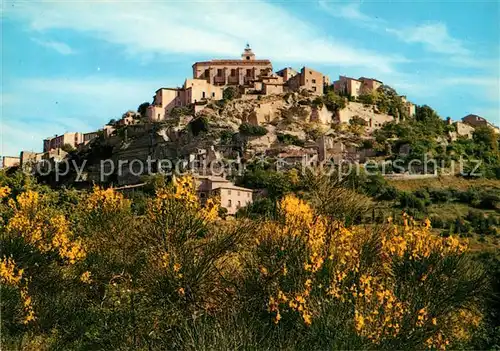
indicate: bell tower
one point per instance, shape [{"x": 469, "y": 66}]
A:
[{"x": 248, "y": 54}]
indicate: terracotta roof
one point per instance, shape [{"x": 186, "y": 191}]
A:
[
  {"x": 234, "y": 62},
  {"x": 157, "y": 90},
  {"x": 340, "y": 78},
  {"x": 297, "y": 153},
  {"x": 364, "y": 78},
  {"x": 232, "y": 187}
]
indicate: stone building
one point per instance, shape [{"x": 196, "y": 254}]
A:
[
  {"x": 28, "y": 159},
  {"x": 287, "y": 73},
  {"x": 10, "y": 161},
  {"x": 476, "y": 121},
  {"x": 410, "y": 108},
  {"x": 233, "y": 72},
  {"x": 193, "y": 91},
  {"x": 230, "y": 196},
  {"x": 369, "y": 84},
  {"x": 464, "y": 130},
  {"x": 308, "y": 79},
  {"x": 73, "y": 139},
  {"x": 347, "y": 86},
  {"x": 355, "y": 87}
]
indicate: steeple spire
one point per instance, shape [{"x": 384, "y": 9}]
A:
[{"x": 248, "y": 53}]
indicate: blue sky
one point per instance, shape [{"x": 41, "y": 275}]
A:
[{"x": 72, "y": 66}]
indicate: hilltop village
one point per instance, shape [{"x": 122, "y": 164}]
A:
[{"x": 240, "y": 109}]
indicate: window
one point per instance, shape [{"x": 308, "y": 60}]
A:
[
  {"x": 202, "y": 94},
  {"x": 238, "y": 193},
  {"x": 314, "y": 88},
  {"x": 219, "y": 72},
  {"x": 229, "y": 203},
  {"x": 248, "y": 195},
  {"x": 314, "y": 81},
  {"x": 207, "y": 73},
  {"x": 229, "y": 192},
  {"x": 248, "y": 57},
  {"x": 233, "y": 72},
  {"x": 213, "y": 94},
  {"x": 239, "y": 204},
  {"x": 249, "y": 72}
]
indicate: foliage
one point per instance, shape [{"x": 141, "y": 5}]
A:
[
  {"x": 81, "y": 270},
  {"x": 333, "y": 102},
  {"x": 356, "y": 120},
  {"x": 143, "y": 108},
  {"x": 229, "y": 93},
  {"x": 68, "y": 148},
  {"x": 249, "y": 129},
  {"x": 180, "y": 111},
  {"x": 199, "y": 125},
  {"x": 290, "y": 139}
]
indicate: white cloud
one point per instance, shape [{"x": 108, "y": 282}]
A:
[
  {"x": 62, "y": 48},
  {"x": 351, "y": 12},
  {"x": 433, "y": 36},
  {"x": 209, "y": 28}
]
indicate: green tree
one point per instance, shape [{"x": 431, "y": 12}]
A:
[
  {"x": 143, "y": 108},
  {"x": 68, "y": 148},
  {"x": 248, "y": 129},
  {"x": 229, "y": 93},
  {"x": 199, "y": 125},
  {"x": 333, "y": 102}
]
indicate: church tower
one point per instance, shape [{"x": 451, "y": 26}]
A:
[{"x": 248, "y": 54}]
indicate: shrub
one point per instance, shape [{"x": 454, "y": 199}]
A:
[
  {"x": 290, "y": 139},
  {"x": 252, "y": 130},
  {"x": 358, "y": 121},
  {"x": 229, "y": 93},
  {"x": 68, "y": 148},
  {"x": 180, "y": 111},
  {"x": 143, "y": 108},
  {"x": 199, "y": 125},
  {"x": 409, "y": 200},
  {"x": 82, "y": 271},
  {"x": 333, "y": 102}
]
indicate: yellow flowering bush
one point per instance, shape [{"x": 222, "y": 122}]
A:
[
  {"x": 40, "y": 227},
  {"x": 4, "y": 192},
  {"x": 150, "y": 279},
  {"x": 33, "y": 222},
  {"x": 106, "y": 201},
  {"x": 355, "y": 267},
  {"x": 11, "y": 275},
  {"x": 183, "y": 196}
]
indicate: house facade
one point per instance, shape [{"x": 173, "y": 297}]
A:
[
  {"x": 355, "y": 87},
  {"x": 228, "y": 72},
  {"x": 369, "y": 84},
  {"x": 10, "y": 161},
  {"x": 74, "y": 139},
  {"x": 230, "y": 196},
  {"x": 476, "y": 121},
  {"x": 308, "y": 79},
  {"x": 347, "y": 86}
]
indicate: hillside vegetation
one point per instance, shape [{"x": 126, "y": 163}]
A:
[{"x": 97, "y": 270}]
